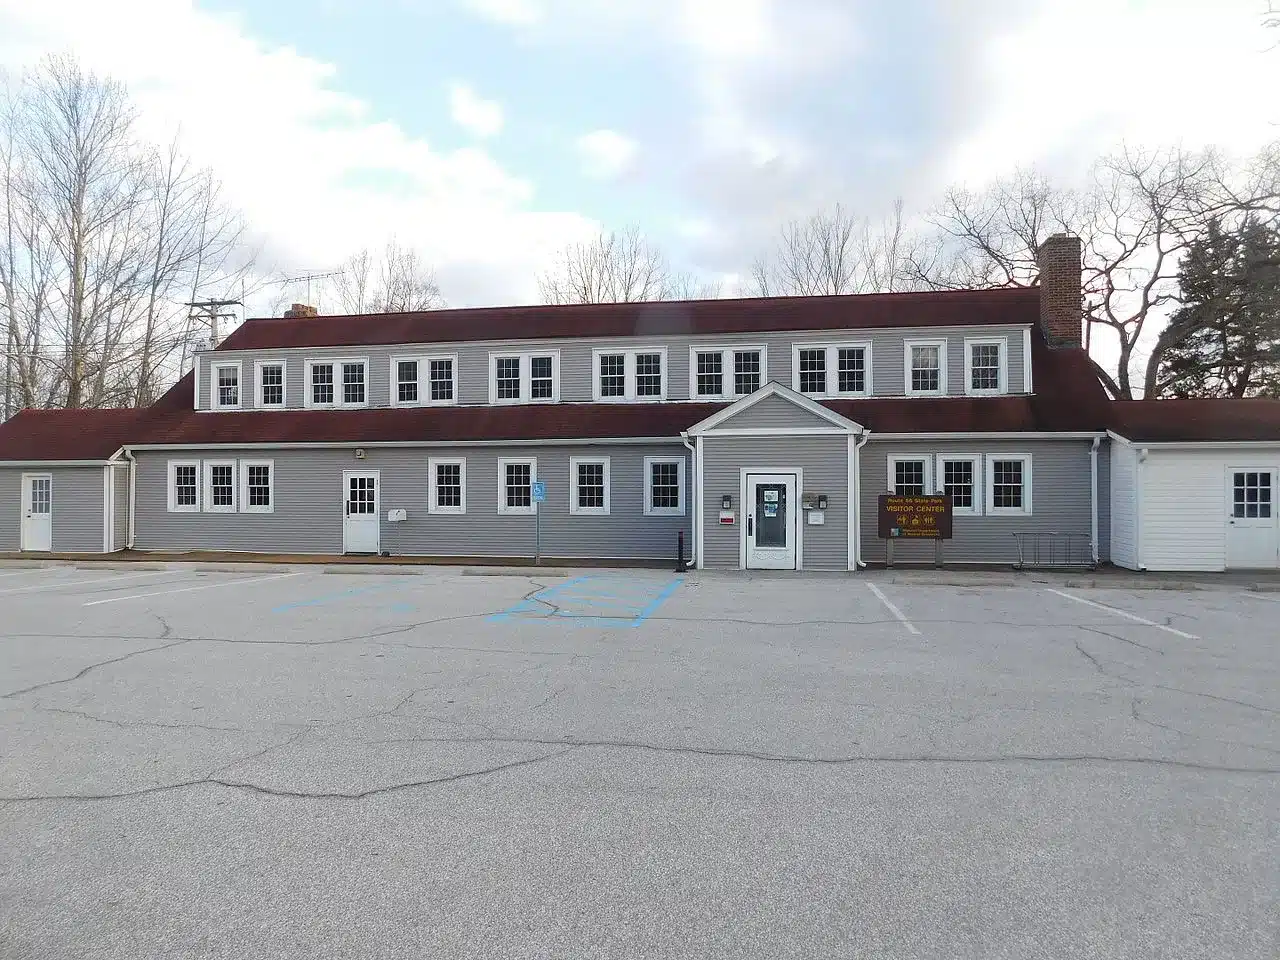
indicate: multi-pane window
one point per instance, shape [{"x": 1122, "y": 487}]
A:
[
  {"x": 832, "y": 369},
  {"x": 986, "y": 366},
  {"x": 321, "y": 383},
  {"x": 710, "y": 373},
  {"x": 508, "y": 378},
  {"x": 407, "y": 381},
  {"x": 353, "y": 383},
  {"x": 813, "y": 371},
  {"x": 185, "y": 479},
  {"x": 925, "y": 372},
  {"x": 590, "y": 486},
  {"x": 648, "y": 374},
  {"x": 958, "y": 482},
  {"x": 851, "y": 369},
  {"x": 541, "y": 378},
  {"x": 1251, "y": 494},
  {"x": 227, "y": 385},
  {"x": 630, "y": 374},
  {"x": 448, "y": 480},
  {"x": 256, "y": 496},
  {"x": 910, "y": 476},
  {"x": 220, "y": 486},
  {"x": 1008, "y": 484},
  {"x": 746, "y": 372},
  {"x": 523, "y": 378},
  {"x": 613, "y": 375},
  {"x": 271, "y": 385},
  {"x": 664, "y": 487},
  {"x": 516, "y": 495},
  {"x": 441, "y": 373}
]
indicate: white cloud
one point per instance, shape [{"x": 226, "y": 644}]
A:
[
  {"x": 471, "y": 112},
  {"x": 315, "y": 172},
  {"x": 605, "y": 154}
]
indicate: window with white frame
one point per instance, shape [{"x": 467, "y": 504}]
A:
[
  {"x": 337, "y": 383},
  {"x": 443, "y": 383},
  {"x": 219, "y": 486},
  {"x": 589, "y": 477},
  {"x": 909, "y": 476},
  {"x": 515, "y": 486},
  {"x": 523, "y": 377},
  {"x": 986, "y": 365},
  {"x": 926, "y": 367},
  {"x": 257, "y": 486},
  {"x": 721, "y": 372},
  {"x": 832, "y": 370},
  {"x": 319, "y": 384},
  {"x": 270, "y": 383},
  {"x": 639, "y": 374},
  {"x": 406, "y": 381},
  {"x": 184, "y": 486},
  {"x": 958, "y": 478},
  {"x": 446, "y": 485},
  {"x": 353, "y": 383},
  {"x": 226, "y": 386},
  {"x": 664, "y": 486},
  {"x": 1008, "y": 479}
]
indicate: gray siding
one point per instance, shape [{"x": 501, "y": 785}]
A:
[
  {"x": 308, "y": 509},
  {"x": 1060, "y": 488},
  {"x": 77, "y": 505},
  {"x": 773, "y": 413},
  {"x": 1104, "y": 502},
  {"x": 10, "y": 510},
  {"x": 120, "y": 484},
  {"x": 825, "y": 462},
  {"x": 887, "y": 348}
]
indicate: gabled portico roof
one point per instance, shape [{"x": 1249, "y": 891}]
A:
[{"x": 719, "y": 421}]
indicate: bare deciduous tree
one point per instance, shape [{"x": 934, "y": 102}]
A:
[
  {"x": 397, "y": 281},
  {"x": 617, "y": 267}
]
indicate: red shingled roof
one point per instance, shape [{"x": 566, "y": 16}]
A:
[
  {"x": 1170, "y": 421},
  {"x": 1017, "y": 305},
  {"x": 67, "y": 434}
]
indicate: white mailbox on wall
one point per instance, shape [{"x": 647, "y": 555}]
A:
[{"x": 397, "y": 516}]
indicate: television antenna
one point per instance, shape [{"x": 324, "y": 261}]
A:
[{"x": 308, "y": 278}]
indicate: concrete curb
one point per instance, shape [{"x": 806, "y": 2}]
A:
[{"x": 517, "y": 572}]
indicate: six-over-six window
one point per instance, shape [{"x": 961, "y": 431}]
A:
[
  {"x": 725, "y": 372},
  {"x": 633, "y": 374},
  {"x": 221, "y": 486},
  {"x": 832, "y": 369},
  {"x": 995, "y": 484}
]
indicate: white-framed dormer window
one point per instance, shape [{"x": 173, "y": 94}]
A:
[
  {"x": 516, "y": 476},
  {"x": 224, "y": 381},
  {"x": 960, "y": 477},
  {"x": 269, "y": 375},
  {"x": 910, "y": 476},
  {"x": 631, "y": 374},
  {"x": 405, "y": 386},
  {"x": 717, "y": 373},
  {"x": 1008, "y": 482},
  {"x": 442, "y": 379},
  {"x": 219, "y": 486},
  {"x": 589, "y": 482},
  {"x": 447, "y": 485},
  {"x": 831, "y": 369},
  {"x": 257, "y": 486},
  {"x": 337, "y": 383},
  {"x": 986, "y": 365},
  {"x": 184, "y": 486},
  {"x": 532, "y": 377},
  {"x": 423, "y": 380},
  {"x": 925, "y": 367},
  {"x": 664, "y": 487}
]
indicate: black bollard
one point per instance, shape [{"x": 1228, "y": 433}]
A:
[{"x": 681, "y": 564}]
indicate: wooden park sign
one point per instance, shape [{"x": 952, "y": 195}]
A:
[{"x": 915, "y": 518}]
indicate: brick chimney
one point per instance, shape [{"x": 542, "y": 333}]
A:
[
  {"x": 1061, "y": 303},
  {"x": 300, "y": 310}
]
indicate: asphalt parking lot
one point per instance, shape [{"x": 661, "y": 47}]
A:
[{"x": 298, "y": 764}]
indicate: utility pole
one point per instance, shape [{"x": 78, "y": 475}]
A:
[{"x": 210, "y": 312}]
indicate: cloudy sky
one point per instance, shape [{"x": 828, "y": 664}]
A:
[{"x": 489, "y": 133}]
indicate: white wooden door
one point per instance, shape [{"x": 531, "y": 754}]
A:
[
  {"x": 770, "y": 531},
  {"x": 1253, "y": 533},
  {"x": 37, "y": 511},
  {"x": 361, "y": 523}
]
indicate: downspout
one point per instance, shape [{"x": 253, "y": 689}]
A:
[
  {"x": 1093, "y": 517},
  {"x": 1137, "y": 507},
  {"x": 133, "y": 485},
  {"x": 858, "y": 562},
  {"x": 695, "y": 514}
]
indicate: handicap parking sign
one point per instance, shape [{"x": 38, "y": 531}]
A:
[{"x": 539, "y": 491}]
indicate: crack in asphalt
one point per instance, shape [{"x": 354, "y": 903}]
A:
[
  {"x": 141, "y": 723},
  {"x": 90, "y": 668},
  {"x": 1116, "y": 636}
]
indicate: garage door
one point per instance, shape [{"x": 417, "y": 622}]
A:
[{"x": 1253, "y": 526}]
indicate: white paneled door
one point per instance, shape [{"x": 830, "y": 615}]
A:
[
  {"x": 1253, "y": 526},
  {"x": 361, "y": 526},
  {"x": 37, "y": 511}
]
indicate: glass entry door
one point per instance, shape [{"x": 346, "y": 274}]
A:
[{"x": 771, "y": 526}]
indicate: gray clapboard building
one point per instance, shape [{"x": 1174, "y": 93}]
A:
[{"x": 762, "y": 430}]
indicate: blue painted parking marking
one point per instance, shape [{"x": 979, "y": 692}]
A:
[{"x": 607, "y": 601}]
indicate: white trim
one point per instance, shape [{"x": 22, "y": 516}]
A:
[
  {"x": 195, "y": 382},
  {"x": 1027, "y": 385},
  {"x": 744, "y": 472},
  {"x": 505, "y": 510},
  {"x": 424, "y": 361},
  {"x": 55, "y": 463},
  {"x": 215, "y": 386},
  {"x": 207, "y": 497},
  {"x": 108, "y": 503},
  {"x": 432, "y": 482},
  {"x": 778, "y": 432},
  {"x": 244, "y": 486},
  {"x": 526, "y": 369},
  {"x": 574, "y": 508},
  {"x": 856, "y": 502},
  {"x": 258, "y": 366},
  {"x": 699, "y": 505},
  {"x": 336, "y": 363},
  {"x": 1198, "y": 444},
  {"x": 1001, "y": 435},
  {"x": 939, "y": 476},
  {"x": 679, "y": 459},
  {"x": 851, "y": 499},
  {"x": 771, "y": 389},
  {"x": 727, "y": 367},
  {"x": 173, "y": 487},
  {"x": 892, "y": 472},
  {"x": 385, "y": 444},
  {"x": 831, "y": 367},
  {"x": 907, "y": 347},
  {"x": 629, "y": 375},
  {"x": 1002, "y": 371},
  {"x": 989, "y": 473}
]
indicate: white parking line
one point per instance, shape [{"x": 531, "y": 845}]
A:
[
  {"x": 19, "y": 573},
  {"x": 81, "y": 583},
  {"x": 1125, "y": 613},
  {"x": 1263, "y": 596},
  {"x": 902, "y": 617},
  {"x": 207, "y": 586}
]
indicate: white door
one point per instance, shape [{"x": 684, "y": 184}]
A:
[
  {"x": 1253, "y": 537},
  {"x": 361, "y": 526},
  {"x": 37, "y": 511},
  {"x": 770, "y": 531}
]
